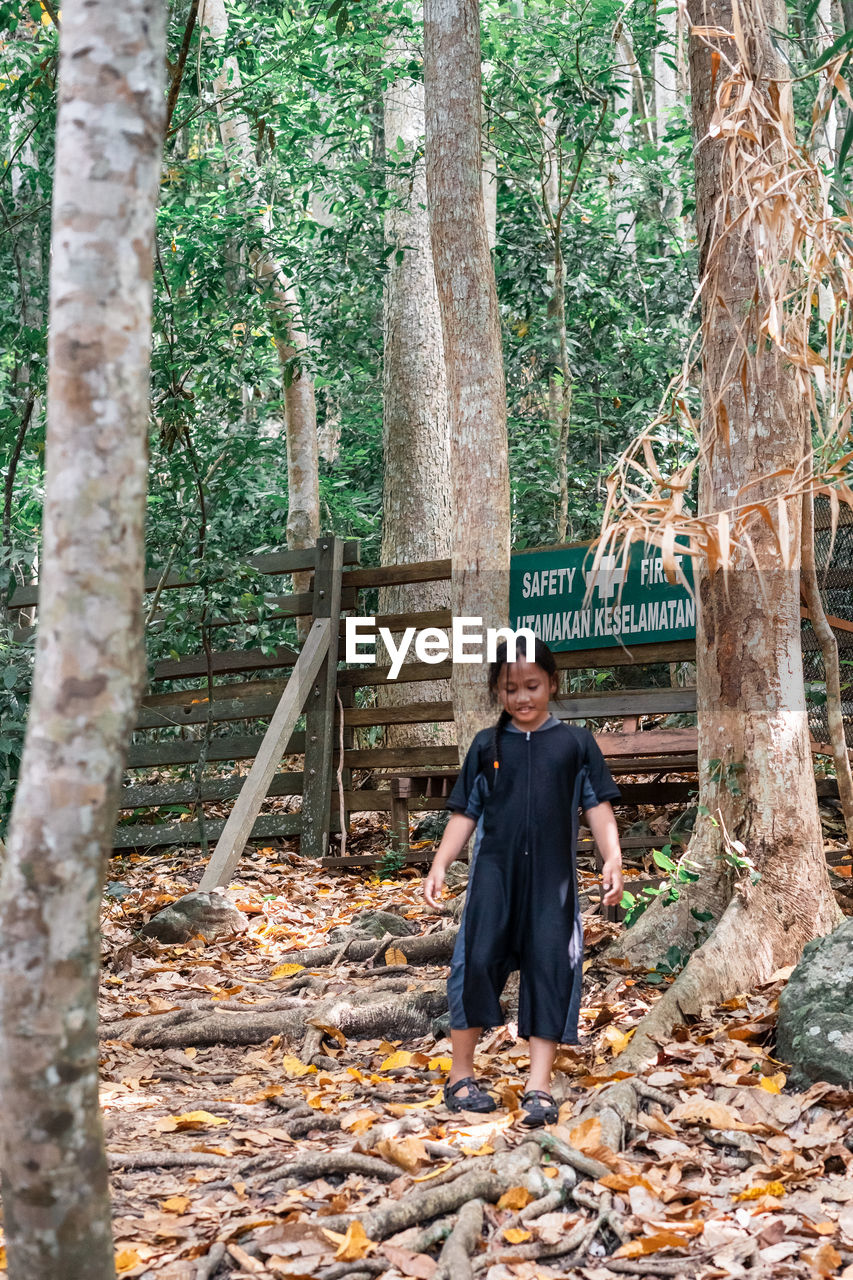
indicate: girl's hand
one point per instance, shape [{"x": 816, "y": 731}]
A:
[
  {"x": 433, "y": 885},
  {"x": 612, "y": 885}
]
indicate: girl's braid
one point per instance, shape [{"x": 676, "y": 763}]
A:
[{"x": 503, "y": 720}]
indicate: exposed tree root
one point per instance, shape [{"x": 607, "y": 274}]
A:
[
  {"x": 764, "y": 928},
  {"x": 206, "y": 1266},
  {"x": 165, "y": 1160},
  {"x": 486, "y": 1183},
  {"x": 567, "y": 1155},
  {"x": 455, "y": 1260},
  {"x": 360, "y": 1015},
  {"x": 430, "y": 948}
]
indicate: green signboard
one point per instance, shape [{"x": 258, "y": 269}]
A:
[{"x": 570, "y": 605}]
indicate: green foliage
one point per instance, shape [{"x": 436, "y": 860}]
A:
[
  {"x": 668, "y": 890},
  {"x": 391, "y": 864}
]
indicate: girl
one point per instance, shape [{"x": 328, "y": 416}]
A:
[{"x": 521, "y": 786}]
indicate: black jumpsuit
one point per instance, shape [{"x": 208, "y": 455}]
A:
[{"x": 522, "y": 906}]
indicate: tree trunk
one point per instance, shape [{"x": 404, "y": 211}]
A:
[
  {"x": 89, "y": 658},
  {"x": 303, "y": 491},
  {"x": 622, "y": 180},
  {"x": 416, "y": 428},
  {"x": 668, "y": 98},
  {"x": 759, "y": 842},
  {"x": 472, "y": 338},
  {"x": 831, "y": 667}
]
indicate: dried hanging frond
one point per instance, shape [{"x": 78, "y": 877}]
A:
[{"x": 802, "y": 305}]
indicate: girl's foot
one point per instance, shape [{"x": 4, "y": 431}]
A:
[
  {"x": 539, "y": 1109},
  {"x": 466, "y": 1095}
]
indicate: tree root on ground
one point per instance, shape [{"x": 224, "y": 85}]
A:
[
  {"x": 454, "y": 1262},
  {"x": 428, "y": 948},
  {"x": 762, "y": 929},
  {"x": 165, "y": 1160},
  {"x": 361, "y": 1015},
  {"x": 489, "y": 1183}
]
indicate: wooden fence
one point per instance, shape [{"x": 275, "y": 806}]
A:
[{"x": 179, "y": 725}]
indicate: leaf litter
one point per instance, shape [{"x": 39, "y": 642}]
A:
[{"x": 337, "y": 1158}]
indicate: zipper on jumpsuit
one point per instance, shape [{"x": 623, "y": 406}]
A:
[{"x": 527, "y": 825}]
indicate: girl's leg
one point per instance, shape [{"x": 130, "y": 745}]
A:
[
  {"x": 464, "y": 1043},
  {"x": 542, "y": 1054}
]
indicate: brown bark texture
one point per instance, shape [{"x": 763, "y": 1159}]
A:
[
  {"x": 89, "y": 658},
  {"x": 415, "y": 425},
  {"x": 472, "y": 338},
  {"x": 758, "y": 837},
  {"x": 303, "y": 512}
]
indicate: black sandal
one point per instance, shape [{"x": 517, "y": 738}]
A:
[
  {"x": 476, "y": 1099},
  {"x": 539, "y": 1109}
]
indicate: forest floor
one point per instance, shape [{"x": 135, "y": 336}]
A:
[{"x": 252, "y": 1160}]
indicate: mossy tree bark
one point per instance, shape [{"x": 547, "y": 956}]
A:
[{"x": 89, "y": 658}]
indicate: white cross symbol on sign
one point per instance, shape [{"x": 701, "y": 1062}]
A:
[{"x": 606, "y": 578}]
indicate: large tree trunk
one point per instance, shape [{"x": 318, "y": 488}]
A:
[
  {"x": 416, "y": 428},
  {"x": 303, "y": 512},
  {"x": 472, "y": 337},
  {"x": 759, "y": 842},
  {"x": 89, "y": 659}
]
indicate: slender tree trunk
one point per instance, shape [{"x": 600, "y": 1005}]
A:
[
  {"x": 416, "y": 429},
  {"x": 831, "y": 666},
  {"x": 561, "y": 395},
  {"x": 826, "y": 148},
  {"x": 303, "y": 513},
  {"x": 622, "y": 180},
  {"x": 472, "y": 337},
  {"x": 759, "y": 842},
  {"x": 668, "y": 99},
  {"x": 89, "y": 658},
  {"x": 489, "y": 178}
]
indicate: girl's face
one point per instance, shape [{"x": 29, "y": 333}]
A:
[{"x": 525, "y": 690}]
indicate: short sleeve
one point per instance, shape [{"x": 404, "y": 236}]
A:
[
  {"x": 598, "y": 784},
  {"x": 463, "y": 791}
]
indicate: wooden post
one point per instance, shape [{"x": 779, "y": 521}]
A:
[
  {"x": 247, "y": 806},
  {"x": 401, "y": 789},
  {"x": 320, "y": 708}
]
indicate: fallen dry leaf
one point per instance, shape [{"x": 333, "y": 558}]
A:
[
  {"x": 395, "y": 956},
  {"x": 126, "y": 1260},
  {"x": 826, "y": 1260},
  {"x": 402, "y": 1058},
  {"x": 417, "y": 1265},
  {"x": 176, "y": 1204},
  {"x": 515, "y": 1198},
  {"x": 352, "y": 1246},
  {"x": 408, "y": 1153},
  {"x": 517, "y": 1235},
  {"x": 294, "y": 1069},
  {"x": 761, "y": 1189},
  {"x": 701, "y": 1110},
  {"x": 646, "y": 1245},
  {"x": 189, "y": 1120},
  {"x": 286, "y": 970}
]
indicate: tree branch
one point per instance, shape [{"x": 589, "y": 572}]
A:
[{"x": 178, "y": 73}]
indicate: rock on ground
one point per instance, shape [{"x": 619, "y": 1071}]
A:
[
  {"x": 209, "y": 915},
  {"x": 815, "y": 1029},
  {"x": 373, "y": 924}
]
